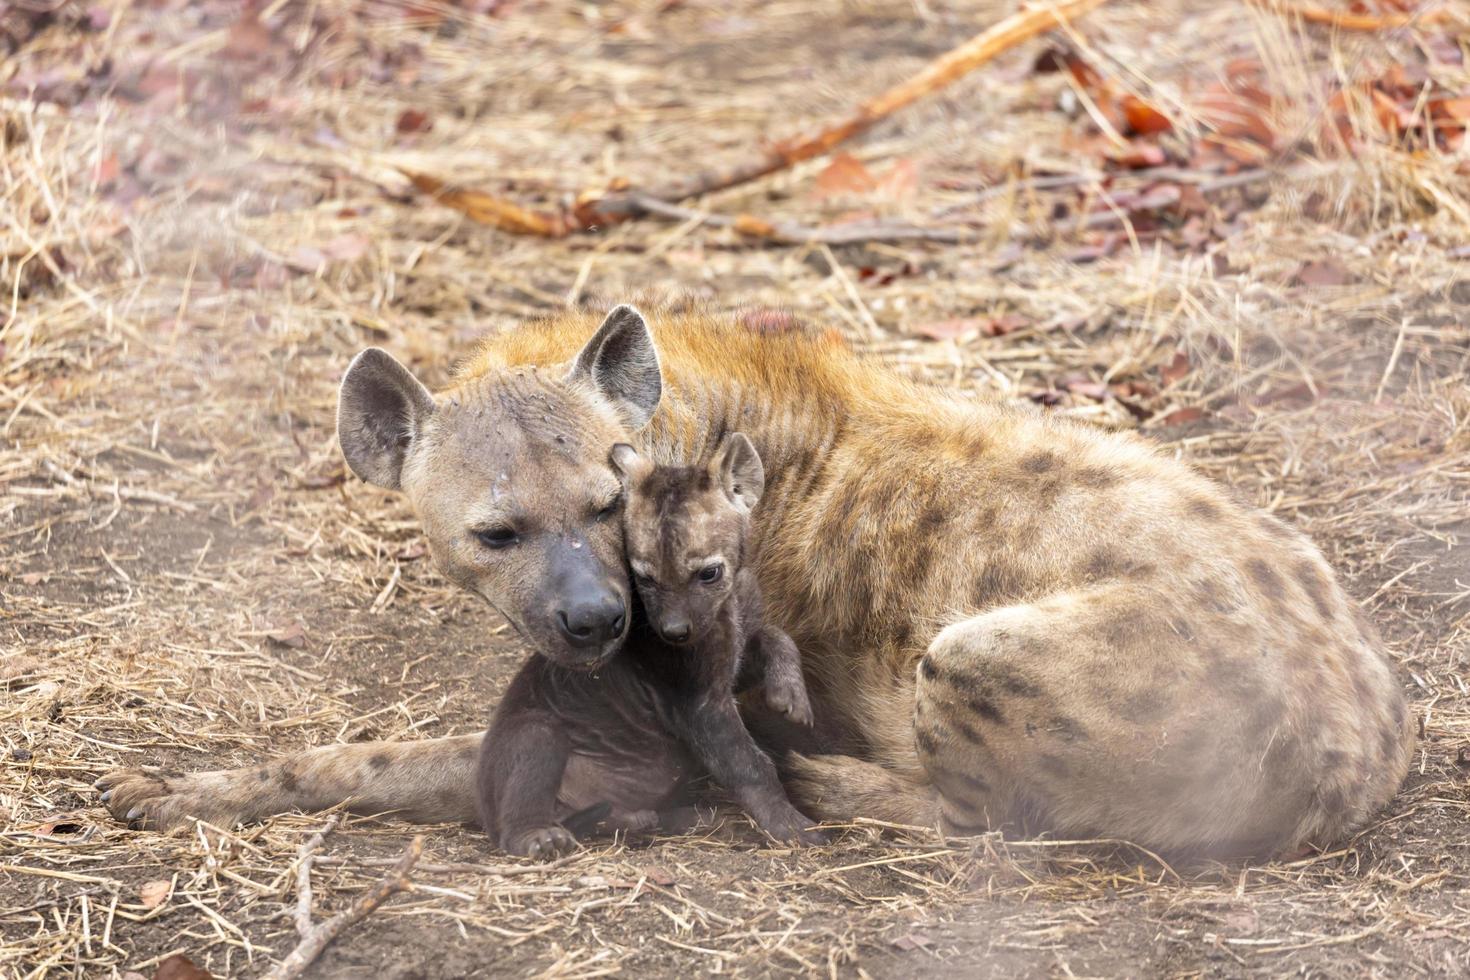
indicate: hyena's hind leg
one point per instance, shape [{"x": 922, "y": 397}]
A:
[
  {"x": 426, "y": 781},
  {"x": 1129, "y": 711}
]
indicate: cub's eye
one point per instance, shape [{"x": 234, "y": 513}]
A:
[
  {"x": 610, "y": 509},
  {"x": 710, "y": 574},
  {"x": 642, "y": 579},
  {"x": 497, "y": 537}
]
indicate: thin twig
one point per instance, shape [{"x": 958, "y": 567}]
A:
[
  {"x": 317, "y": 940},
  {"x": 303, "y": 874},
  {"x": 597, "y": 209}
]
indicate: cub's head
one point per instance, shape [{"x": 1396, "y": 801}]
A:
[
  {"x": 686, "y": 530},
  {"x": 509, "y": 475}
]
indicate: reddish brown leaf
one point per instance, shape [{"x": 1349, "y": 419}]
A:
[
  {"x": 1456, "y": 110},
  {"x": 152, "y": 893},
  {"x": 248, "y": 38},
  {"x": 910, "y": 941},
  {"x": 658, "y": 875},
  {"x": 1177, "y": 368},
  {"x": 1183, "y": 416},
  {"x": 1236, "y": 114},
  {"x": 950, "y": 329},
  {"x": 1137, "y": 156},
  {"x": 1144, "y": 119},
  {"x": 846, "y": 174},
  {"x": 414, "y": 121},
  {"x": 346, "y": 248},
  {"x": 293, "y": 635},
  {"x": 180, "y": 967},
  {"x": 1326, "y": 272}
]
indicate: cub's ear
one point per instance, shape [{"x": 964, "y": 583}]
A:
[
  {"x": 381, "y": 410},
  {"x": 627, "y": 464},
  {"x": 740, "y": 471},
  {"x": 622, "y": 365}
]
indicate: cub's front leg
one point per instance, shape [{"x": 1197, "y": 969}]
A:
[
  {"x": 785, "y": 690},
  {"x": 713, "y": 729},
  {"x": 522, "y": 763}
]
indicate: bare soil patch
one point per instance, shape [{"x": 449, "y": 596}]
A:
[{"x": 202, "y": 223}]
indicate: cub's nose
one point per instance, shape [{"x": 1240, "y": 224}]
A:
[
  {"x": 674, "y": 632},
  {"x": 592, "y": 622}
]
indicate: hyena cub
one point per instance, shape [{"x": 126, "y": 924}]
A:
[{"x": 624, "y": 741}]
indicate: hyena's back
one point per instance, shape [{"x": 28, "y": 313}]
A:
[{"x": 1125, "y": 650}]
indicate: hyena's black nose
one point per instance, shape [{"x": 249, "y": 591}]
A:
[
  {"x": 592, "y": 622},
  {"x": 674, "y": 632}
]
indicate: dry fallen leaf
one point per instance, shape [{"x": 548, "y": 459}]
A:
[
  {"x": 949, "y": 329},
  {"x": 153, "y": 893},
  {"x": 846, "y": 174},
  {"x": 1144, "y": 119},
  {"x": 414, "y": 121},
  {"x": 293, "y": 635},
  {"x": 1176, "y": 368},
  {"x": 1327, "y": 272},
  {"x": 180, "y": 967}
]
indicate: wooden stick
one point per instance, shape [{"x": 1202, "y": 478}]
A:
[
  {"x": 315, "y": 941},
  {"x": 601, "y": 208},
  {"x": 303, "y": 875},
  {"x": 1352, "y": 22}
]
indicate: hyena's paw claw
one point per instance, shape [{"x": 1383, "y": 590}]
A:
[{"x": 542, "y": 843}]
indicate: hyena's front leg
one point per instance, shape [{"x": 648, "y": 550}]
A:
[{"x": 426, "y": 781}]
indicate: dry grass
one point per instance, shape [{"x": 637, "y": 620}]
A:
[{"x": 186, "y": 576}]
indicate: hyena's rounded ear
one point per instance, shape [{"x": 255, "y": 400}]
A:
[
  {"x": 621, "y": 363},
  {"x": 381, "y": 409},
  {"x": 741, "y": 472},
  {"x": 626, "y": 462}
]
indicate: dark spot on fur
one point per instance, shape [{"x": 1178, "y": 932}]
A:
[
  {"x": 1203, "y": 508},
  {"x": 1388, "y": 743},
  {"x": 1315, "y": 588},
  {"x": 950, "y": 781},
  {"x": 1275, "y": 528},
  {"x": 1212, "y": 594},
  {"x": 263, "y": 775},
  {"x": 927, "y": 668},
  {"x": 1265, "y": 577},
  {"x": 1333, "y": 799},
  {"x": 1097, "y": 477},
  {"x": 379, "y": 761},
  {"x": 1067, "y": 729},
  {"x": 1182, "y": 629},
  {"x": 287, "y": 779},
  {"x": 1055, "y": 765},
  {"x": 997, "y": 585},
  {"x": 933, "y": 518},
  {"x": 1264, "y": 715},
  {"x": 1145, "y": 707},
  {"x": 1334, "y": 759},
  {"x": 928, "y": 744},
  {"x": 966, "y": 731},
  {"x": 1010, "y": 680},
  {"x": 1039, "y": 462},
  {"x": 983, "y": 706}
]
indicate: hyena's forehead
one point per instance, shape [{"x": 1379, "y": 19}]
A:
[{"x": 527, "y": 409}]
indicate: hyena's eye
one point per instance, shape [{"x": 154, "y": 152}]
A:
[
  {"x": 712, "y": 573},
  {"x": 497, "y": 537}
]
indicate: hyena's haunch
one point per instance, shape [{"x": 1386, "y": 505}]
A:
[{"x": 1005, "y": 619}]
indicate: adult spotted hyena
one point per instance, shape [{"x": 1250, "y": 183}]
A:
[{"x": 1005, "y": 619}]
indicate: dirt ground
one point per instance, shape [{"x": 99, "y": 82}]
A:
[{"x": 203, "y": 219}]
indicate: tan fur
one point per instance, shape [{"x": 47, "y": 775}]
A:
[{"x": 1022, "y": 621}]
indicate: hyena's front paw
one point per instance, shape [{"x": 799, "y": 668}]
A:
[
  {"x": 149, "y": 800},
  {"x": 790, "y": 826},
  {"x": 789, "y": 698},
  {"x": 541, "y": 843}
]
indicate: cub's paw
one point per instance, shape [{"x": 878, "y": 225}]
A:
[
  {"x": 790, "y": 699},
  {"x": 793, "y": 828},
  {"x": 541, "y": 844}
]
